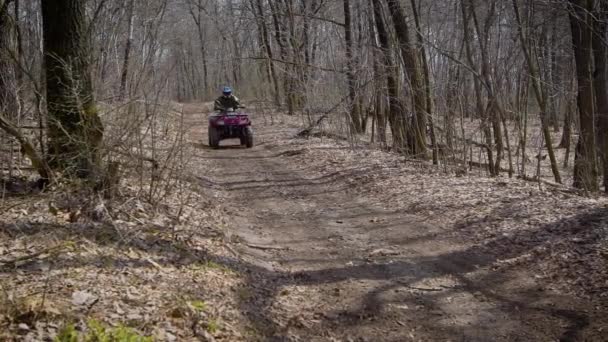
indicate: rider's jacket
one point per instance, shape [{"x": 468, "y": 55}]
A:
[{"x": 225, "y": 102}]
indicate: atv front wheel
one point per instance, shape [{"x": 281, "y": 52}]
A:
[{"x": 214, "y": 138}]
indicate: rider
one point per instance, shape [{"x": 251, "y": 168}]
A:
[{"x": 227, "y": 100}]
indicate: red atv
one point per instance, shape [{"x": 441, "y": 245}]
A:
[{"x": 230, "y": 124}]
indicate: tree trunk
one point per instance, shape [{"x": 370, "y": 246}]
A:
[
  {"x": 281, "y": 40},
  {"x": 355, "y": 114},
  {"x": 540, "y": 93},
  {"x": 197, "y": 18},
  {"x": 453, "y": 85},
  {"x": 493, "y": 110},
  {"x": 427, "y": 83},
  {"x": 8, "y": 80},
  {"x": 379, "y": 94},
  {"x": 269, "y": 54},
  {"x": 567, "y": 130},
  {"x": 554, "y": 79},
  {"x": 411, "y": 59},
  {"x": 236, "y": 51},
  {"x": 600, "y": 85},
  {"x": 481, "y": 110},
  {"x": 585, "y": 162},
  {"x": 75, "y": 130},
  {"x": 9, "y": 106},
  {"x": 19, "y": 57},
  {"x": 394, "y": 104},
  {"x": 125, "y": 65}
]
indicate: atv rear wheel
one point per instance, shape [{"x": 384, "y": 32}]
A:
[
  {"x": 249, "y": 137},
  {"x": 214, "y": 138}
]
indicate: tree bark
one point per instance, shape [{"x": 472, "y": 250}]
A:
[
  {"x": 411, "y": 59},
  {"x": 355, "y": 113},
  {"x": 8, "y": 80},
  {"x": 427, "y": 83},
  {"x": 567, "y": 130},
  {"x": 600, "y": 85},
  {"x": 379, "y": 94},
  {"x": 125, "y": 64},
  {"x": 585, "y": 162},
  {"x": 9, "y": 105},
  {"x": 75, "y": 130},
  {"x": 394, "y": 104},
  {"x": 19, "y": 57}
]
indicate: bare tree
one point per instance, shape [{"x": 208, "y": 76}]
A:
[
  {"x": 600, "y": 82},
  {"x": 585, "y": 168},
  {"x": 411, "y": 58},
  {"x": 541, "y": 94},
  {"x": 125, "y": 65},
  {"x": 75, "y": 129}
]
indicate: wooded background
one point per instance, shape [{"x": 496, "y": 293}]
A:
[{"x": 509, "y": 87}]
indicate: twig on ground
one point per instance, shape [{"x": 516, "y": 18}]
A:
[{"x": 278, "y": 248}]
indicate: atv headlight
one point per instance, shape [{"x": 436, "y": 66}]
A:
[{"x": 220, "y": 122}]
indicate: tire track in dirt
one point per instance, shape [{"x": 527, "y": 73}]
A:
[{"x": 329, "y": 263}]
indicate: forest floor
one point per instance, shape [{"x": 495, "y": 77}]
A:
[{"x": 310, "y": 240}]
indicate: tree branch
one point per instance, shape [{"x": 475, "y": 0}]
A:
[{"x": 27, "y": 148}]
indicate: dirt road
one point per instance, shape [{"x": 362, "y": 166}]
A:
[{"x": 329, "y": 263}]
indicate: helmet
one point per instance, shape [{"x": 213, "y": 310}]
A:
[{"x": 227, "y": 90}]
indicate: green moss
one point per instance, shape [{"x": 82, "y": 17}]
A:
[
  {"x": 67, "y": 334},
  {"x": 211, "y": 265},
  {"x": 215, "y": 266},
  {"x": 212, "y": 326},
  {"x": 198, "y": 305}
]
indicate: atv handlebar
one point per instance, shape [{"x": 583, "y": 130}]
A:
[{"x": 225, "y": 109}]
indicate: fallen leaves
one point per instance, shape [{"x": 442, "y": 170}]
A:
[
  {"x": 129, "y": 270},
  {"x": 83, "y": 298}
]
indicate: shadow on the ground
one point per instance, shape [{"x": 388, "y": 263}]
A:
[{"x": 19, "y": 187}]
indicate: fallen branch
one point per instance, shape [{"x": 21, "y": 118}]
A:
[
  {"x": 556, "y": 186},
  {"x": 27, "y": 148},
  {"x": 13, "y": 262},
  {"x": 154, "y": 162},
  {"x": 307, "y": 131},
  {"x": 265, "y": 248},
  {"x": 467, "y": 140},
  {"x": 330, "y": 135},
  {"x": 154, "y": 263}
]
